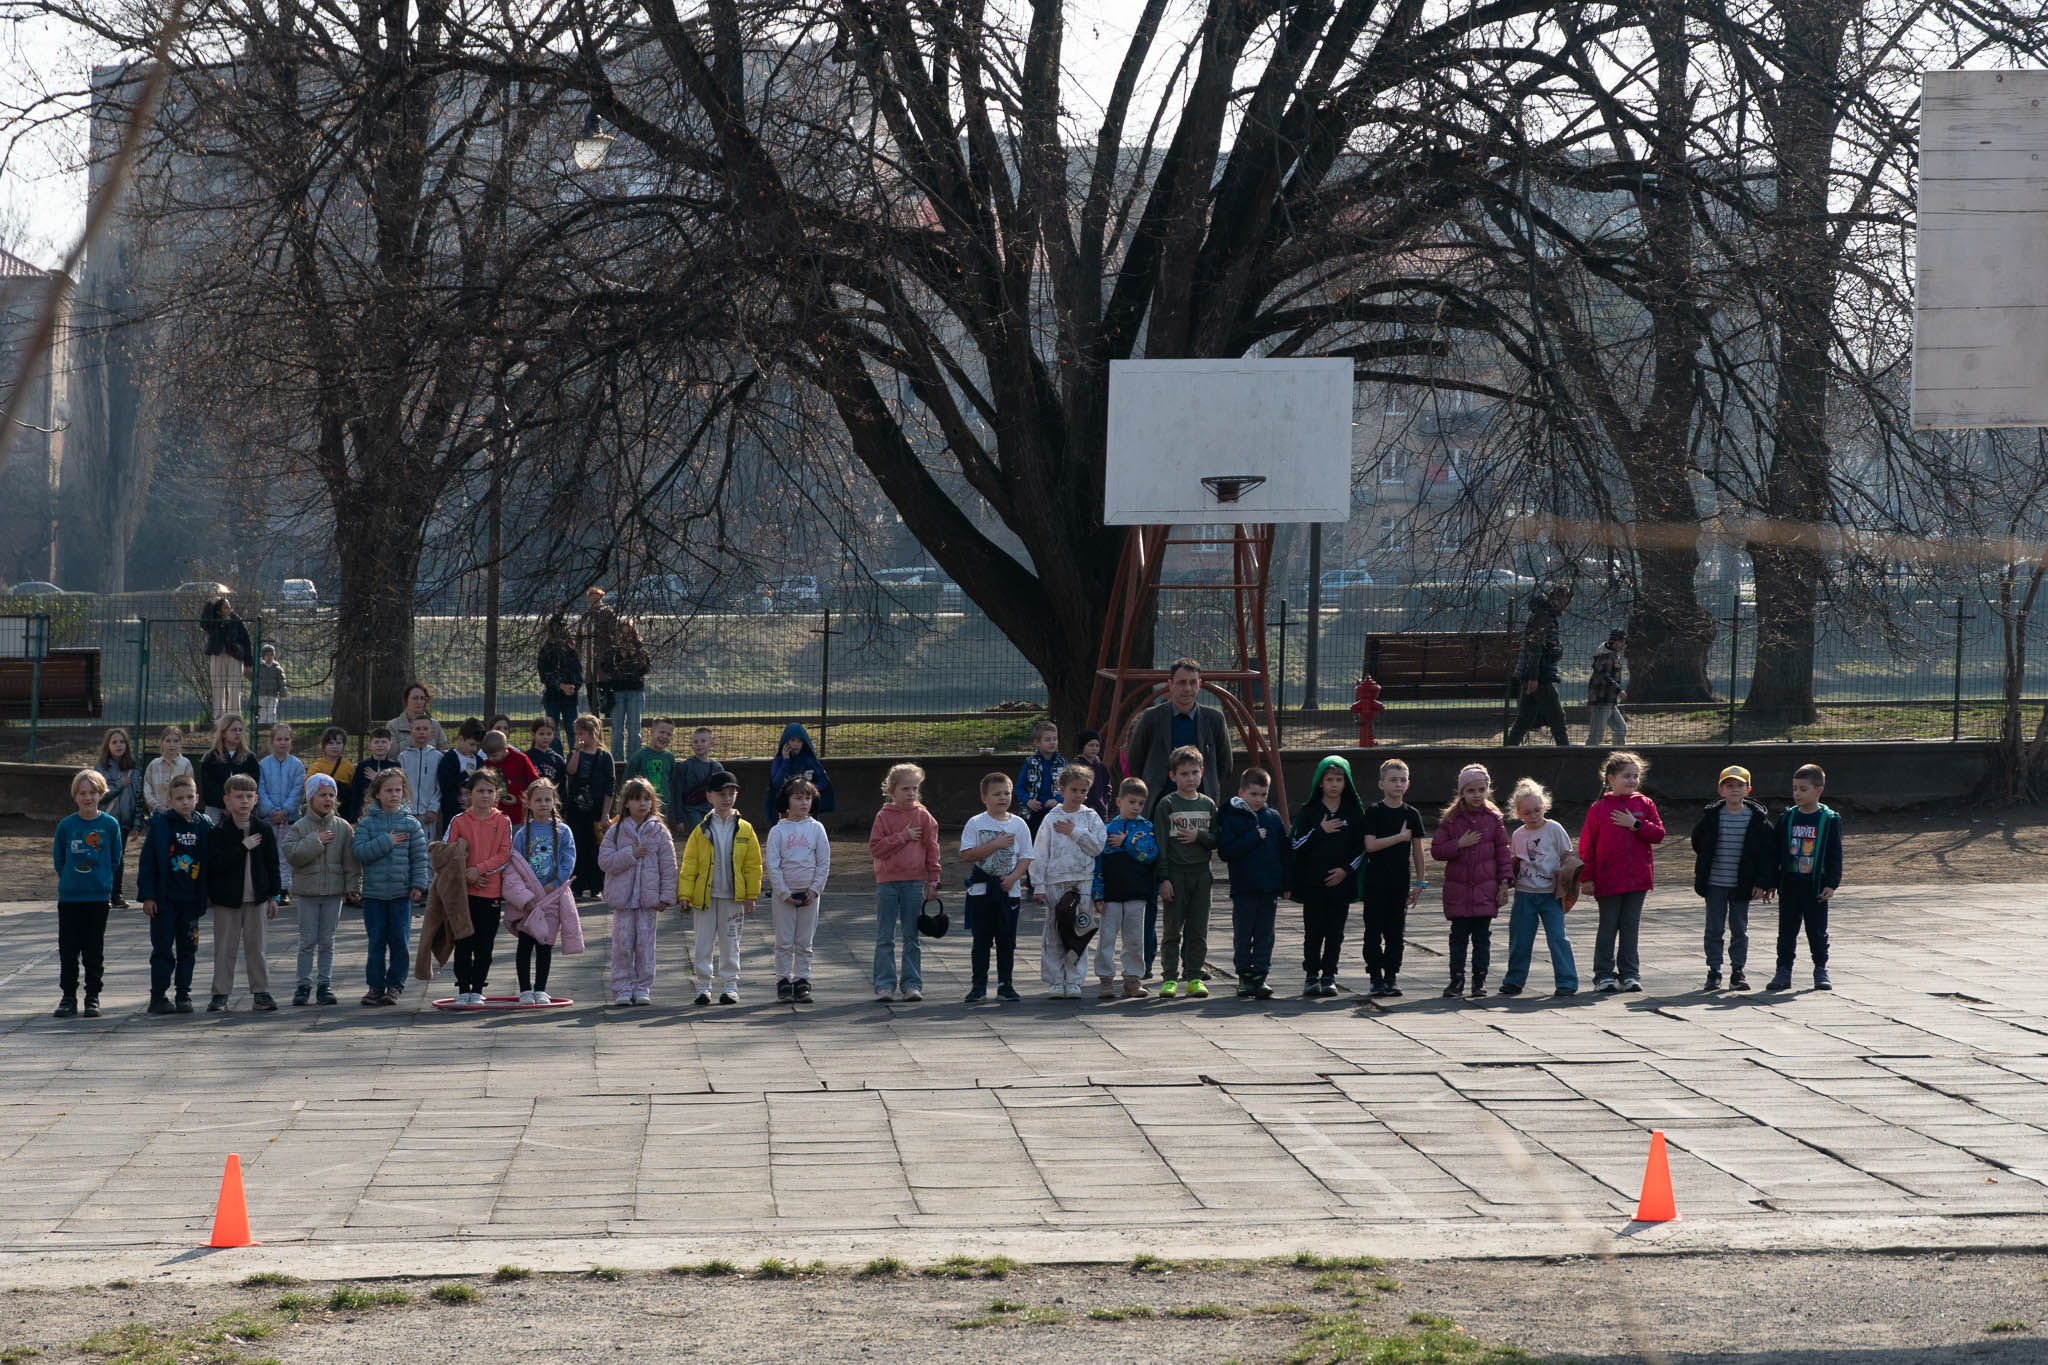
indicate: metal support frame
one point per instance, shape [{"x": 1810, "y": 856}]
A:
[{"x": 1125, "y": 686}]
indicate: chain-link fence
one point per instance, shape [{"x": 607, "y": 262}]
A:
[{"x": 945, "y": 680}]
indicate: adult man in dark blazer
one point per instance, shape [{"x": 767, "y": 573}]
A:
[{"x": 1178, "y": 720}]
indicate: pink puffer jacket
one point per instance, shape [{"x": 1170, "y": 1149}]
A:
[
  {"x": 545, "y": 915},
  {"x": 1472, "y": 876},
  {"x": 638, "y": 883}
]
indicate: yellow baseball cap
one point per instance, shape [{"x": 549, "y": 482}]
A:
[{"x": 1735, "y": 773}]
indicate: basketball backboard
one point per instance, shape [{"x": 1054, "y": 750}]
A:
[
  {"x": 1980, "y": 311},
  {"x": 1195, "y": 442}
]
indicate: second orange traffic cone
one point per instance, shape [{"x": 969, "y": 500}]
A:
[
  {"x": 231, "y": 1214},
  {"x": 1657, "y": 1204}
]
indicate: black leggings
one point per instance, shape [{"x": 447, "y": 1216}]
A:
[
  {"x": 473, "y": 954},
  {"x": 533, "y": 960}
]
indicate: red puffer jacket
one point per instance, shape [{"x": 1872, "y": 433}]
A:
[
  {"x": 1472, "y": 876},
  {"x": 1618, "y": 860}
]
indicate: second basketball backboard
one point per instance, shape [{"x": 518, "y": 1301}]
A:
[
  {"x": 1980, "y": 314},
  {"x": 1207, "y": 441}
]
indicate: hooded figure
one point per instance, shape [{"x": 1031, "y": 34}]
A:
[
  {"x": 804, "y": 764},
  {"x": 1329, "y": 847}
]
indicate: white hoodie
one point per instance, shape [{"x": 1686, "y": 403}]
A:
[{"x": 1066, "y": 858}]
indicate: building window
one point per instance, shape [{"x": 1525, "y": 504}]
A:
[
  {"x": 1393, "y": 465},
  {"x": 1397, "y": 401}
]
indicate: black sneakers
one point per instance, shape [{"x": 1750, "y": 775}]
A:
[
  {"x": 785, "y": 990},
  {"x": 184, "y": 1003},
  {"x": 1507, "y": 989},
  {"x": 92, "y": 1006},
  {"x": 1737, "y": 981},
  {"x": 325, "y": 995},
  {"x": 217, "y": 1005},
  {"x": 66, "y": 1008},
  {"x": 802, "y": 987},
  {"x": 1713, "y": 980},
  {"x": 161, "y": 1005},
  {"x": 262, "y": 1001},
  {"x": 303, "y": 996}
]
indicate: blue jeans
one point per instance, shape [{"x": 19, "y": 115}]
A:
[
  {"x": 628, "y": 708},
  {"x": 1530, "y": 908},
  {"x": 1726, "y": 911},
  {"x": 562, "y": 711},
  {"x": 897, "y": 906},
  {"x": 389, "y": 925}
]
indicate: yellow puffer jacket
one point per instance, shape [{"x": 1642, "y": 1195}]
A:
[{"x": 693, "y": 881}]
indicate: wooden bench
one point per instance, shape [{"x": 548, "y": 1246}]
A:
[
  {"x": 1442, "y": 667},
  {"x": 70, "y": 686}
]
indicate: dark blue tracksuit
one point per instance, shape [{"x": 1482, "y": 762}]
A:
[
  {"x": 172, "y": 872},
  {"x": 1258, "y": 878}
]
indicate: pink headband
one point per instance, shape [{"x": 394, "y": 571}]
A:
[{"x": 1474, "y": 773}]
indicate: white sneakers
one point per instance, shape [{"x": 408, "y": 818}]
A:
[
  {"x": 526, "y": 997},
  {"x": 913, "y": 996},
  {"x": 543, "y": 998},
  {"x": 642, "y": 998},
  {"x": 623, "y": 998}
]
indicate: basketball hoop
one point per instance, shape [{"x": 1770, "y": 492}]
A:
[{"x": 1231, "y": 487}]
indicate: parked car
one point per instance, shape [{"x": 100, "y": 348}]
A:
[
  {"x": 35, "y": 588},
  {"x": 796, "y": 593},
  {"x": 1334, "y": 582},
  {"x": 920, "y": 576},
  {"x": 1506, "y": 578},
  {"x": 298, "y": 592}
]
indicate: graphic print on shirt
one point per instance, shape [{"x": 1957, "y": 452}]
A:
[{"x": 1190, "y": 822}]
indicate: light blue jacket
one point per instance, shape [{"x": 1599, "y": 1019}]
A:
[
  {"x": 387, "y": 877},
  {"x": 281, "y": 786}
]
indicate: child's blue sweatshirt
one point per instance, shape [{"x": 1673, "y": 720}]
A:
[
  {"x": 173, "y": 866},
  {"x": 85, "y": 853}
]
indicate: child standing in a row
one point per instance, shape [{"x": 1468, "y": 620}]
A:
[
  {"x": 1126, "y": 879},
  {"x": 996, "y": 846},
  {"x": 1471, "y": 841},
  {"x": 1615, "y": 845},
  {"x": 170, "y": 877},
  {"x": 720, "y": 881},
  {"x": 391, "y": 847},
  {"x": 487, "y": 833},
  {"x": 86, "y": 853},
  {"x": 1188, "y": 816},
  {"x": 1062, "y": 860},
  {"x": 1329, "y": 845},
  {"x": 638, "y": 855},
  {"x": 320, "y": 849},
  {"x": 904, "y": 845},
  {"x": 798, "y": 859}
]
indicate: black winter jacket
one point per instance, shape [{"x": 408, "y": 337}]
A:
[
  {"x": 225, "y": 857},
  {"x": 1758, "y": 870}
]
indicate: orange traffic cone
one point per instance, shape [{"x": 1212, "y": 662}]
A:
[
  {"x": 231, "y": 1214},
  {"x": 1657, "y": 1204}
]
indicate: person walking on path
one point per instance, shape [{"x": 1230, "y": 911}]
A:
[{"x": 1536, "y": 677}]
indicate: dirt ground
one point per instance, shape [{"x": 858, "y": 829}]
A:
[
  {"x": 1810, "y": 1309},
  {"x": 1931, "y": 845}
]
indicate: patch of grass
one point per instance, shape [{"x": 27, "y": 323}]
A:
[
  {"x": 1146, "y": 1263},
  {"x": 2008, "y": 1325},
  {"x": 453, "y": 1292},
  {"x": 1281, "y": 1310},
  {"x": 273, "y": 1279},
  {"x": 953, "y": 1268},
  {"x": 1334, "y": 1281},
  {"x": 881, "y": 1268},
  {"x": 997, "y": 1268},
  {"x": 610, "y": 1274},
  {"x": 718, "y": 1266},
  {"x": 349, "y": 1297},
  {"x": 1308, "y": 1260},
  {"x": 774, "y": 1268},
  {"x": 1386, "y": 1284},
  {"x": 1044, "y": 1316},
  {"x": 987, "y": 1320},
  {"x": 120, "y": 1284},
  {"x": 1343, "y": 1337},
  {"x": 14, "y": 1355},
  {"x": 238, "y": 1326},
  {"x": 210, "y": 1343},
  {"x": 1201, "y": 1310},
  {"x": 296, "y": 1306},
  {"x": 1005, "y": 1306},
  {"x": 508, "y": 1273},
  {"x": 1135, "y": 1310}
]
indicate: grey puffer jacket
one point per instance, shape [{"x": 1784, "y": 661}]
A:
[{"x": 318, "y": 869}]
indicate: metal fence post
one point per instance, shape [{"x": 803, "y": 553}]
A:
[
  {"x": 256, "y": 676},
  {"x": 1508, "y": 701},
  {"x": 1955, "y": 713},
  {"x": 39, "y": 645},
  {"x": 1734, "y": 653},
  {"x": 1280, "y": 687},
  {"x": 141, "y": 678},
  {"x": 825, "y": 680}
]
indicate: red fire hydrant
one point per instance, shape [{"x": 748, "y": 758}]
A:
[{"x": 1365, "y": 708}]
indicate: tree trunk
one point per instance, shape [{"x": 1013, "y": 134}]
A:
[
  {"x": 1804, "y": 257},
  {"x": 1669, "y": 632},
  {"x": 373, "y": 665}
]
